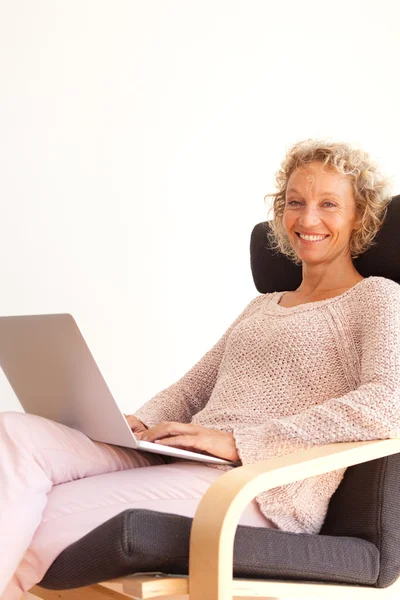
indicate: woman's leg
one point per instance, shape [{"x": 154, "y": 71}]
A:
[
  {"x": 75, "y": 508},
  {"x": 36, "y": 454}
]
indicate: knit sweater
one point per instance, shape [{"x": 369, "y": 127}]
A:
[{"x": 284, "y": 379}]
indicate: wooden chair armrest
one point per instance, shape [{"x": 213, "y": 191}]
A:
[{"x": 217, "y": 516}]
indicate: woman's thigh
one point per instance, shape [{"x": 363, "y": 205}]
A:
[
  {"x": 77, "y": 507},
  {"x": 46, "y": 450}
]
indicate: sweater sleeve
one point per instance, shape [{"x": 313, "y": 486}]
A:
[
  {"x": 187, "y": 396},
  {"x": 371, "y": 411}
]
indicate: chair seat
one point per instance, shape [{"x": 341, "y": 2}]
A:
[{"x": 137, "y": 541}]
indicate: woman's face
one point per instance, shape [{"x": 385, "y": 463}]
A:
[{"x": 319, "y": 201}]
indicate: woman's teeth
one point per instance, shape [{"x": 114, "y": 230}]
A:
[{"x": 312, "y": 238}]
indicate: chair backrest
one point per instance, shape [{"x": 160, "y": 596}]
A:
[{"x": 366, "y": 504}]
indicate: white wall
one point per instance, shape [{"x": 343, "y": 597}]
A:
[{"x": 137, "y": 141}]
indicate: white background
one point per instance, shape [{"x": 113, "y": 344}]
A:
[{"x": 137, "y": 141}]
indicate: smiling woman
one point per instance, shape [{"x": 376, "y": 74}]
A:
[
  {"x": 331, "y": 202},
  {"x": 278, "y": 380}
]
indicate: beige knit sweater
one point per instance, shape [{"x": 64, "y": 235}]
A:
[{"x": 281, "y": 379}]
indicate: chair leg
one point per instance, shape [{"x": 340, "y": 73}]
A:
[{"x": 91, "y": 592}]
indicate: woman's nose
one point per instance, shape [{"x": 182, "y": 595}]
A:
[{"x": 309, "y": 216}]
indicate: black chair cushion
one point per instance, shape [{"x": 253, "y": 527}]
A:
[
  {"x": 366, "y": 505},
  {"x": 138, "y": 541}
]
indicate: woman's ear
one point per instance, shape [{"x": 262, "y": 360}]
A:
[{"x": 358, "y": 222}]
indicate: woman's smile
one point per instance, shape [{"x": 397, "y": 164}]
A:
[{"x": 309, "y": 242}]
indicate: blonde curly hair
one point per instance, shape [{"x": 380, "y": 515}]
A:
[{"x": 371, "y": 191}]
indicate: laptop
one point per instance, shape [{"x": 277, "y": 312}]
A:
[{"x": 54, "y": 375}]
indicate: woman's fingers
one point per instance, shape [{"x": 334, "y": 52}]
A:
[
  {"x": 168, "y": 429},
  {"x": 134, "y": 423},
  {"x": 193, "y": 437},
  {"x": 184, "y": 441}
]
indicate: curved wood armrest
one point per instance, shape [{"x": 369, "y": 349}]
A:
[{"x": 217, "y": 516}]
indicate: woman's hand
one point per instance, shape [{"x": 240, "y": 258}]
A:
[
  {"x": 134, "y": 423},
  {"x": 192, "y": 437}
]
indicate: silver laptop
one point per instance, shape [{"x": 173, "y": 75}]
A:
[{"x": 54, "y": 375}]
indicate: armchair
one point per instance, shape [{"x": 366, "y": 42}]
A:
[{"x": 148, "y": 554}]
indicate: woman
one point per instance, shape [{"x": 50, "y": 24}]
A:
[{"x": 295, "y": 369}]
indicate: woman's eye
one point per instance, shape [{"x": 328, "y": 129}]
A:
[{"x": 297, "y": 202}]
